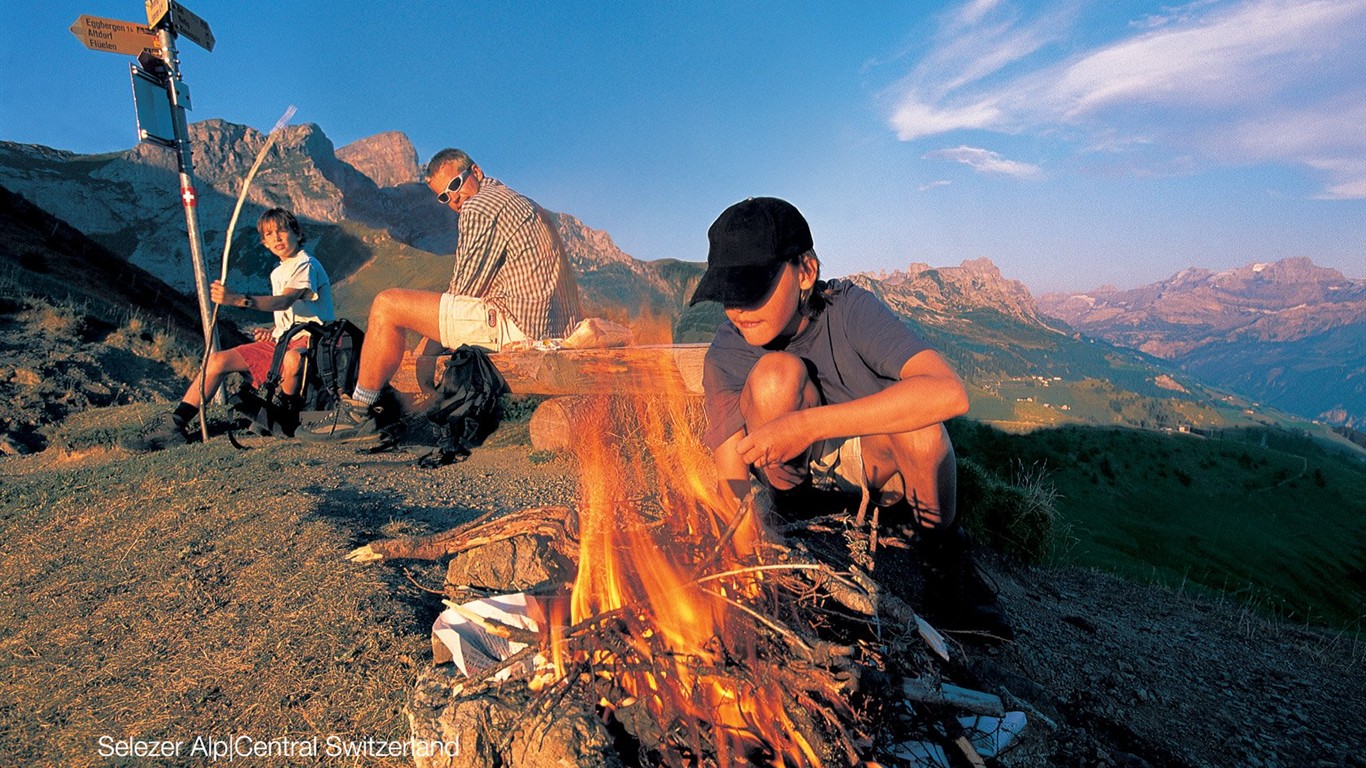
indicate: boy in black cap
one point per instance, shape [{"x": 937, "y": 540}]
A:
[{"x": 816, "y": 384}]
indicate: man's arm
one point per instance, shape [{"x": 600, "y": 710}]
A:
[
  {"x": 475, "y": 263},
  {"x": 929, "y": 392}
]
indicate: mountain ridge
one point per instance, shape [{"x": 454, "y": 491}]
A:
[
  {"x": 1287, "y": 333},
  {"x": 374, "y": 226}
]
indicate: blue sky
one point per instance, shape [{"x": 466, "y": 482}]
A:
[{"x": 1073, "y": 143}]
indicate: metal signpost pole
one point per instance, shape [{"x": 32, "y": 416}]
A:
[{"x": 188, "y": 196}]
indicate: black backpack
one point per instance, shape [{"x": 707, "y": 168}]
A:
[
  {"x": 331, "y": 367},
  {"x": 467, "y": 406}
]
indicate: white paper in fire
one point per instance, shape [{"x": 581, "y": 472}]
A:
[{"x": 474, "y": 649}]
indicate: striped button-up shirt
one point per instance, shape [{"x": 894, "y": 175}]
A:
[{"x": 511, "y": 256}]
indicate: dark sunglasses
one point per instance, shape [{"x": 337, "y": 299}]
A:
[{"x": 454, "y": 186}]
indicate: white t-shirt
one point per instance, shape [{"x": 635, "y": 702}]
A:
[{"x": 302, "y": 271}]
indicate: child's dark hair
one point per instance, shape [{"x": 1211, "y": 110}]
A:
[
  {"x": 812, "y": 305},
  {"x": 281, "y": 219}
]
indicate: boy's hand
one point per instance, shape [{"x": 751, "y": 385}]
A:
[
  {"x": 261, "y": 334},
  {"x": 221, "y": 294},
  {"x": 784, "y": 477},
  {"x": 773, "y": 445}
]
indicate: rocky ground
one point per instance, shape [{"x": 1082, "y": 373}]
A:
[
  {"x": 202, "y": 591},
  {"x": 1125, "y": 675}
]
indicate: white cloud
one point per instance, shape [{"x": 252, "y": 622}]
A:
[
  {"x": 1228, "y": 82},
  {"x": 1354, "y": 189},
  {"x": 986, "y": 161},
  {"x": 1171, "y": 15},
  {"x": 1349, "y": 175},
  {"x": 936, "y": 184},
  {"x": 920, "y": 119},
  {"x": 1258, "y": 50},
  {"x": 975, "y": 10}
]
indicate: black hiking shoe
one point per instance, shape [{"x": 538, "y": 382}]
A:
[
  {"x": 958, "y": 600},
  {"x": 163, "y": 431},
  {"x": 352, "y": 421}
]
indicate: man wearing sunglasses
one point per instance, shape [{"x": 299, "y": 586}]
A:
[{"x": 511, "y": 283}]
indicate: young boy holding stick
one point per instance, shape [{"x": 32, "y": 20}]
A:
[{"x": 300, "y": 292}]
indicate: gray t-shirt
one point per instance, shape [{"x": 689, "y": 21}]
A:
[{"x": 856, "y": 346}]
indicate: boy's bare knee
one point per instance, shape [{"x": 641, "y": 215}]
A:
[
  {"x": 777, "y": 378},
  {"x": 291, "y": 362},
  {"x": 216, "y": 361}
]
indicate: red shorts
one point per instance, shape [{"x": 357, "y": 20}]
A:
[{"x": 258, "y": 355}]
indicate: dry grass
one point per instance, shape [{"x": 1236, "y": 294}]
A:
[
  {"x": 163, "y": 607},
  {"x": 202, "y": 592},
  {"x": 155, "y": 342}
]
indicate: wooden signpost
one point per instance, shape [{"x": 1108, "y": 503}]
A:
[{"x": 159, "y": 65}]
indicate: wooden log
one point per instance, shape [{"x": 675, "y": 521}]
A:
[
  {"x": 553, "y": 424},
  {"x": 644, "y": 370},
  {"x": 935, "y": 692},
  {"x": 558, "y": 523}
]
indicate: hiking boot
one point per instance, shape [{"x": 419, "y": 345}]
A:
[
  {"x": 958, "y": 599},
  {"x": 163, "y": 431},
  {"x": 354, "y": 421}
]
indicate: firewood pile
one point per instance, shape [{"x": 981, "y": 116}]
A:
[{"x": 670, "y": 631}]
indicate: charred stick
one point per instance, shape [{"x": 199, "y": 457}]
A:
[
  {"x": 505, "y": 631},
  {"x": 552, "y": 521},
  {"x": 933, "y": 692}
]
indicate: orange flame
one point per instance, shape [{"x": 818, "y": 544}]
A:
[{"x": 639, "y": 561}]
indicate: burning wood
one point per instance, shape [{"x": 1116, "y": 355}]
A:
[{"x": 693, "y": 633}]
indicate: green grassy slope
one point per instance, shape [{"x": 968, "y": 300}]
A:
[{"x": 1275, "y": 517}]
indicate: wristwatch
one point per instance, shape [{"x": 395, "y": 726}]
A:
[{"x": 248, "y": 302}]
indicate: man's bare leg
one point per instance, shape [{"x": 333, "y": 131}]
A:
[{"x": 394, "y": 312}]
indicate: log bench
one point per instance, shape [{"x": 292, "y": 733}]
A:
[{"x": 657, "y": 369}]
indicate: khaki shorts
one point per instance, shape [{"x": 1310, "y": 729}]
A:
[
  {"x": 474, "y": 321},
  {"x": 837, "y": 465}
]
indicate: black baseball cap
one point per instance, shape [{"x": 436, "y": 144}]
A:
[{"x": 750, "y": 243}]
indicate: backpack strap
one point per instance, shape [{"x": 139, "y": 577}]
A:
[
  {"x": 272, "y": 381},
  {"x": 338, "y": 369},
  {"x": 466, "y": 408}
]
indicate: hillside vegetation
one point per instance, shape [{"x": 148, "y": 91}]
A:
[{"x": 1273, "y": 518}]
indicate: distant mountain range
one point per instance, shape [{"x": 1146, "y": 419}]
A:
[
  {"x": 375, "y": 225},
  {"x": 1289, "y": 334}
]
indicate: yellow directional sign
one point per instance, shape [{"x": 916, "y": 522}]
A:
[
  {"x": 127, "y": 37},
  {"x": 156, "y": 11}
]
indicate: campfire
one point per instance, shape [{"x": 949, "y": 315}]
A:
[{"x": 664, "y": 627}]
